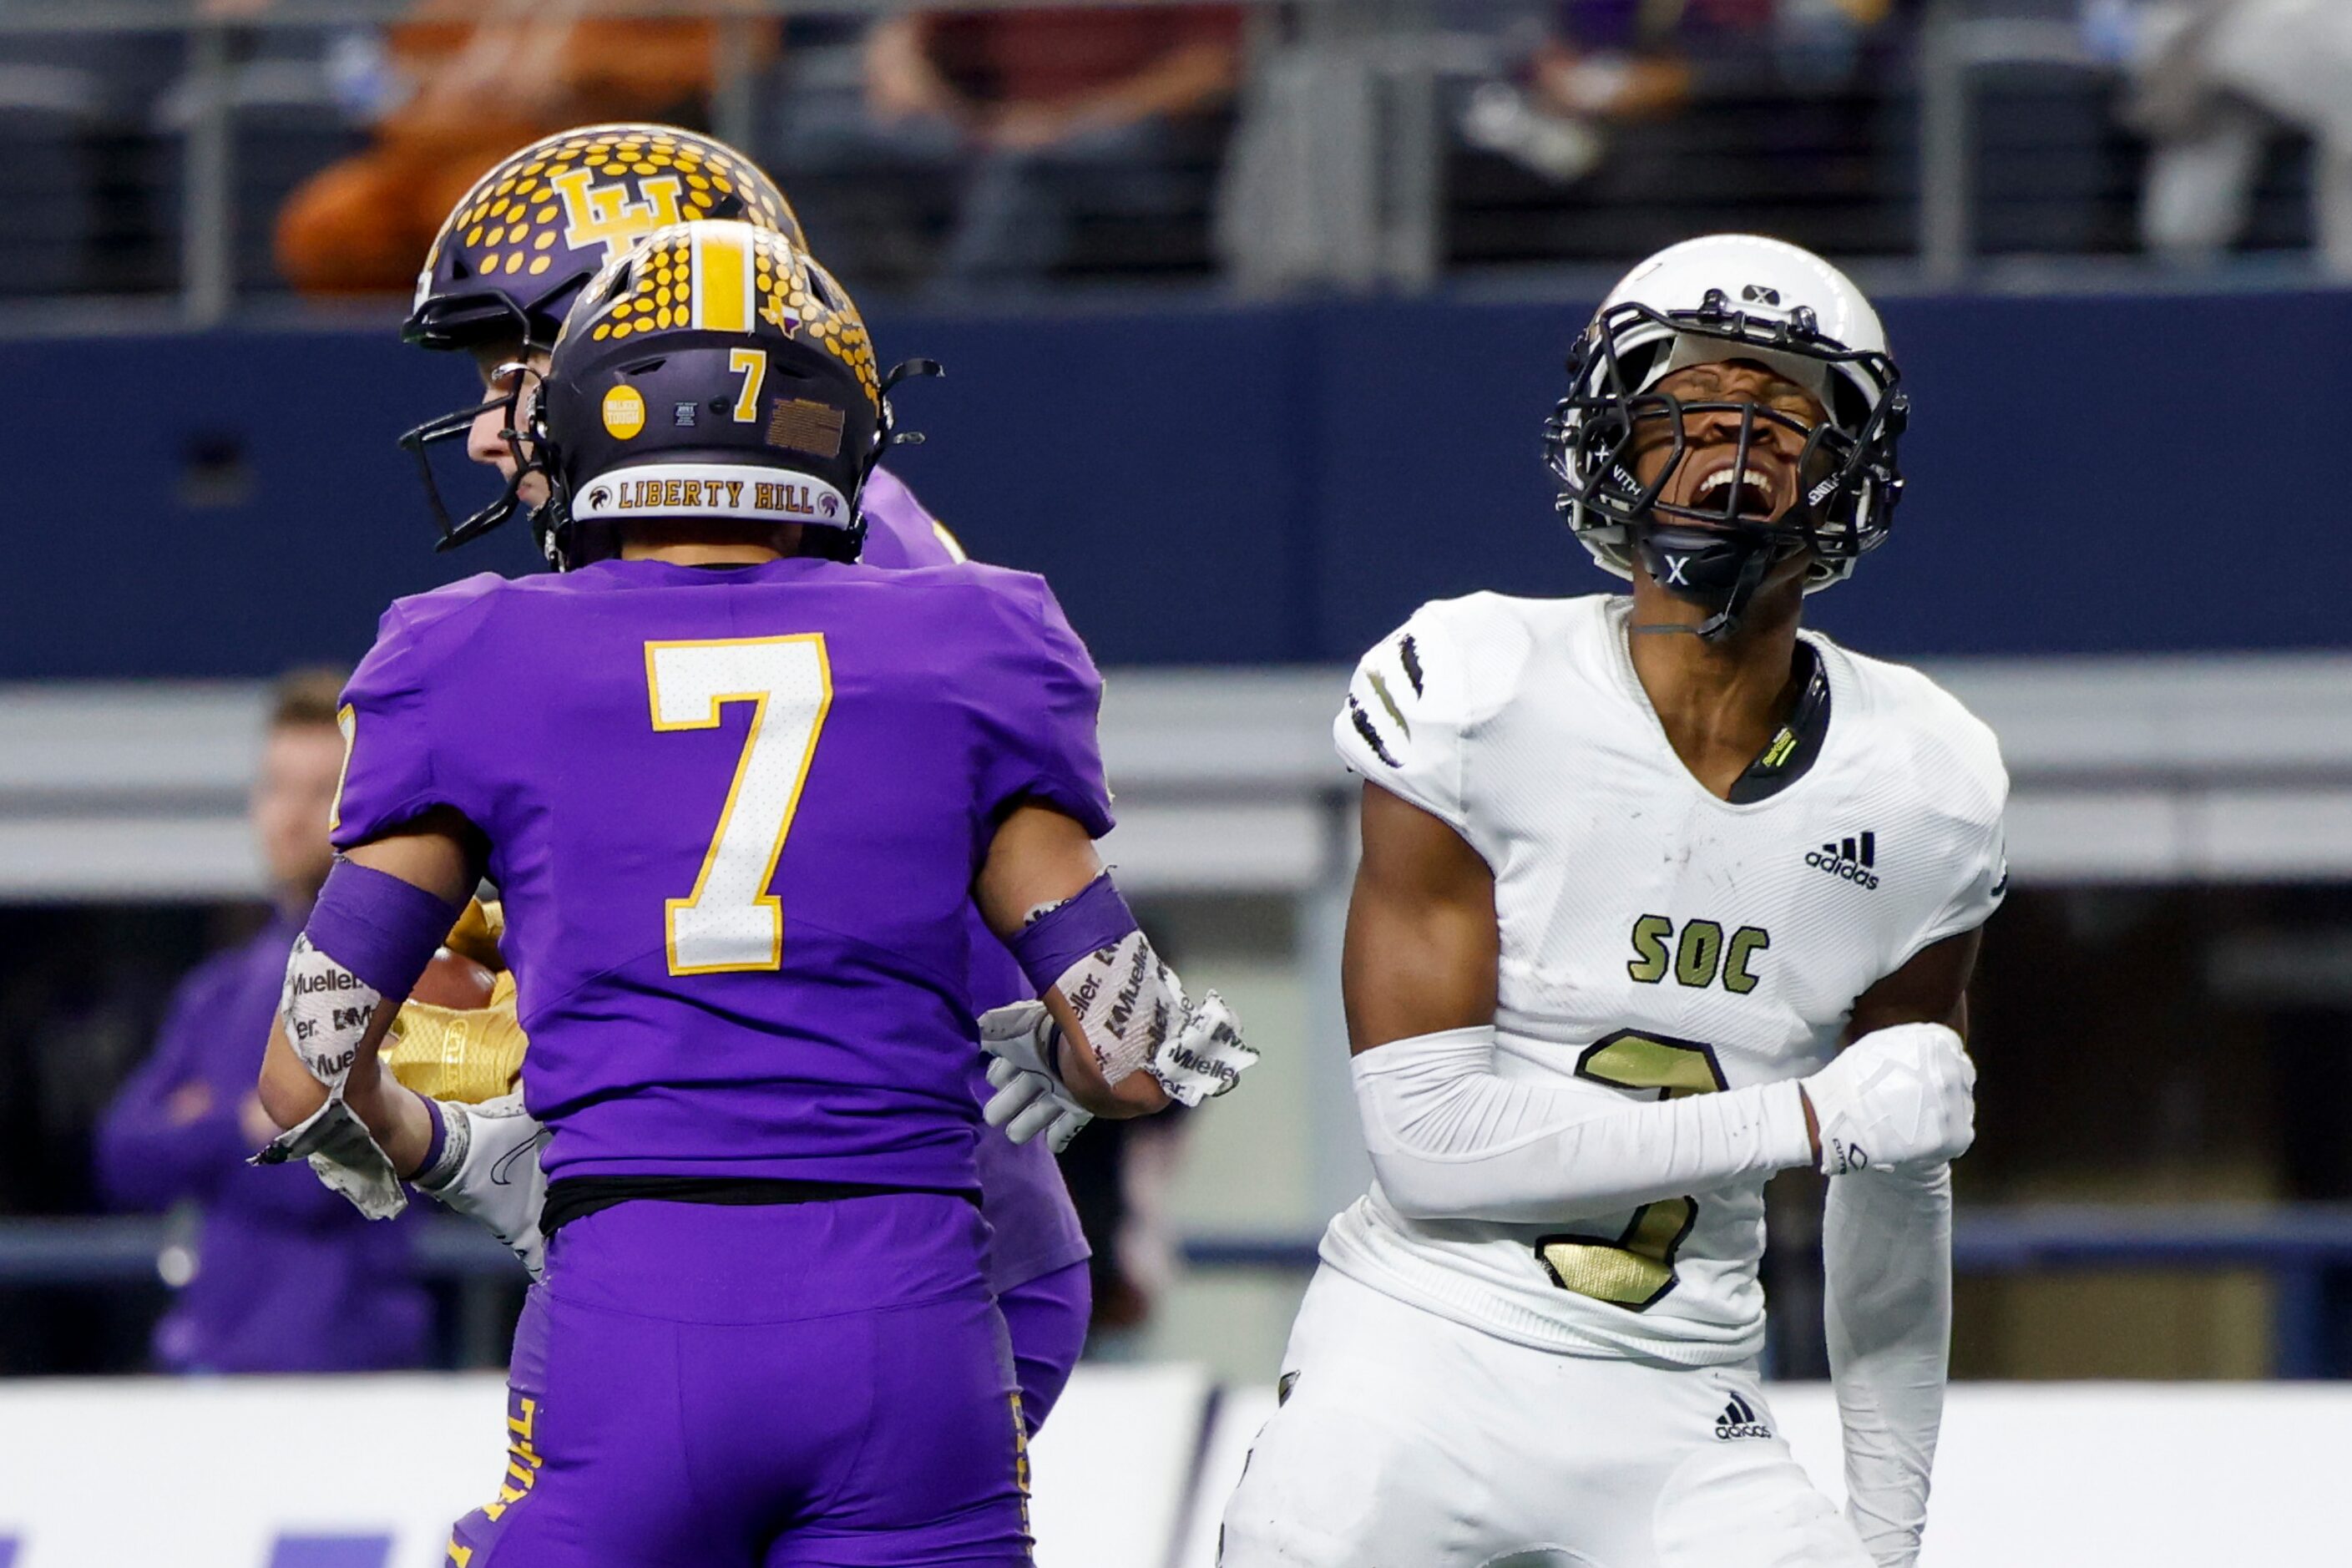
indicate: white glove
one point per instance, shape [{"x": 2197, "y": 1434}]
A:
[
  {"x": 345, "y": 1155},
  {"x": 489, "y": 1170},
  {"x": 1030, "y": 1098},
  {"x": 1895, "y": 1096}
]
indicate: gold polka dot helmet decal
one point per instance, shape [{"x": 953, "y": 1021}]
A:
[
  {"x": 718, "y": 369},
  {"x": 714, "y": 277},
  {"x": 514, "y": 252}
]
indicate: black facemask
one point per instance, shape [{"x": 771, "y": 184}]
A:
[
  {"x": 1718, "y": 558},
  {"x": 439, "y": 440}
]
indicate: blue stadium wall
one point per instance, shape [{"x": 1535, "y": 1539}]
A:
[{"x": 1219, "y": 485}]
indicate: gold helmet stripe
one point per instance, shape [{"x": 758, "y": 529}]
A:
[{"x": 722, "y": 278}]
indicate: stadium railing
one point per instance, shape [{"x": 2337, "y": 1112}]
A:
[
  {"x": 2225, "y": 768},
  {"x": 2295, "y": 1246},
  {"x": 193, "y": 115},
  {"x": 1349, "y": 168}
]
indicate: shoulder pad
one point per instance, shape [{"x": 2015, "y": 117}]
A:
[
  {"x": 1420, "y": 690},
  {"x": 1956, "y": 755}
]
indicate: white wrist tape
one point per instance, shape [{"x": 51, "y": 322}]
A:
[
  {"x": 1452, "y": 1140},
  {"x": 488, "y": 1170},
  {"x": 327, "y": 1009},
  {"x": 1127, "y": 1000},
  {"x": 1137, "y": 1020},
  {"x": 1887, "y": 1254},
  {"x": 1206, "y": 1056},
  {"x": 1902, "y": 1095}
]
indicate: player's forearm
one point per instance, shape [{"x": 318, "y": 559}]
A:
[
  {"x": 1121, "y": 1012},
  {"x": 1886, "y": 1253},
  {"x": 1450, "y": 1139},
  {"x": 394, "y": 1116},
  {"x": 370, "y": 935},
  {"x": 289, "y": 1092},
  {"x": 1137, "y": 1094},
  {"x": 377, "y": 923}
]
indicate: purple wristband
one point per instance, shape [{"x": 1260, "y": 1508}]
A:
[
  {"x": 438, "y": 1141},
  {"x": 1047, "y": 946},
  {"x": 380, "y": 928}
]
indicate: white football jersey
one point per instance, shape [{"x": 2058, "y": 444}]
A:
[{"x": 1656, "y": 940}]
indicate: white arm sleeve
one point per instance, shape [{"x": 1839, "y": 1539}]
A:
[
  {"x": 1452, "y": 1140},
  {"x": 1886, "y": 1249}
]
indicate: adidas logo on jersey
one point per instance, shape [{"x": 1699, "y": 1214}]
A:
[
  {"x": 1738, "y": 1420},
  {"x": 1850, "y": 858}
]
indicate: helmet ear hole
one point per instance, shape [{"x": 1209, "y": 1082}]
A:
[
  {"x": 1639, "y": 367},
  {"x": 621, "y": 281},
  {"x": 1849, "y": 408},
  {"x": 821, "y": 284}
]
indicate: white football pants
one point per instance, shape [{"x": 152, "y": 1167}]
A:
[{"x": 1408, "y": 1440}]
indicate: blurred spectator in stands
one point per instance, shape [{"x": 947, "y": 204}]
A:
[
  {"x": 1564, "y": 72},
  {"x": 1042, "y": 117},
  {"x": 1593, "y": 64},
  {"x": 2212, "y": 81},
  {"x": 286, "y": 1275},
  {"x": 458, "y": 87},
  {"x": 1608, "y": 59}
]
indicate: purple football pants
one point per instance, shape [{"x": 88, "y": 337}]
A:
[
  {"x": 807, "y": 1385},
  {"x": 1047, "y": 1319}
]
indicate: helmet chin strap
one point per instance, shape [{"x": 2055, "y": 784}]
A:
[{"x": 1716, "y": 570}]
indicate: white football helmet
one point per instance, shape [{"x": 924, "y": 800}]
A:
[{"x": 1732, "y": 297}]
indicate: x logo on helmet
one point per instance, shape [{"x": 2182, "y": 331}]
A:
[{"x": 1675, "y": 565}]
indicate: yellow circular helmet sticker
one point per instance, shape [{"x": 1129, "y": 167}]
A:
[{"x": 625, "y": 412}]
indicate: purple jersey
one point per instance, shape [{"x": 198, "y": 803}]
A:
[
  {"x": 735, "y": 815},
  {"x": 901, "y": 533},
  {"x": 1034, "y": 1225},
  {"x": 898, "y": 532}
]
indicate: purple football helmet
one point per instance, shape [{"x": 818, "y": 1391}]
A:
[
  {"x": 514, "y": 254},
  {"x": 715, "y": 372},
  {"x": 516, "y": 250}
]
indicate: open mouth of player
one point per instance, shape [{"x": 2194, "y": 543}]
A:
[{"x": 1749, "y": 491}]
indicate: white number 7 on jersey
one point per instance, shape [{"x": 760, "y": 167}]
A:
[{"x": 730, "y": 921}]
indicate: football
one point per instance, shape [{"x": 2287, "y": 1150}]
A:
[{"x": 452, "y": 980}]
